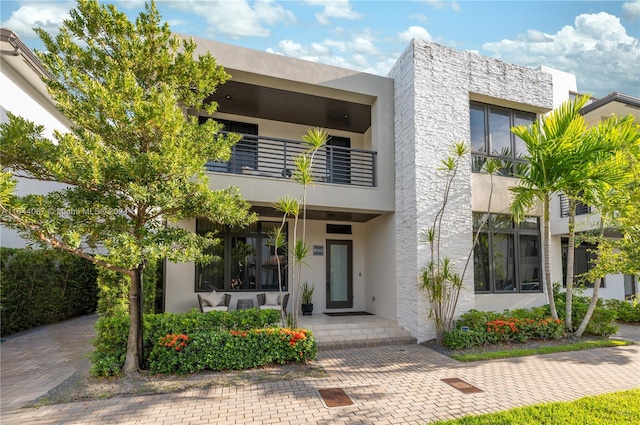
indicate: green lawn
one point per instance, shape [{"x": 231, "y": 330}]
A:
[
  {"x": 584, "y": 345},
  {"x": 615, "y": 408}
]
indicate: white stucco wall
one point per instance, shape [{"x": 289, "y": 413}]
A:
[
  {"x": 21, "y": 97},
  {"x": 434, "y": 85}
]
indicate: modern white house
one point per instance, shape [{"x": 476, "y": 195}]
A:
[{"x": 377, "y": 185}]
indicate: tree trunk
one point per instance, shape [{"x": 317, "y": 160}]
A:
[
  {"x": 594, "y": 296},
  {"x": 592, "y": 307},
  {"x": 133, "y": 361},
  {"x": 547, "y": 259},
  {"x": 570, "y": 264}
]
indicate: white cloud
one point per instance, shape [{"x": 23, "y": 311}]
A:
[
  {"x": 596, "y": 49},
  {"x": 358, "y": 53},
  {"x": 45, "y": 15},
  {"x": 237, "y": 18},
  {"x": 419, "y": 17},
  {"x": 340, "y": 9},
  {"x": 414, "y": 32},
  {"x": 631, "y": 9},
  {"x": 441, "y": 4}
]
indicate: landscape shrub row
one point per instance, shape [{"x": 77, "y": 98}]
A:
[
  {"x": 111, "y": 341},
  {"x": 39, "y": 287},
  {"x": 602, "y": 321},
  {"x": 625, "y": 311},
  {"x": 481, "y": 328},
  {"x": 227, "y": 350}
]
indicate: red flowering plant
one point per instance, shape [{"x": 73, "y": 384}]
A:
[{"x": 174, "y": 341}]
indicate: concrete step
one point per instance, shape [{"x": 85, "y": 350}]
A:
[
  {"x": 359, "y": 331},
  {"x": 342, "y": 345}
]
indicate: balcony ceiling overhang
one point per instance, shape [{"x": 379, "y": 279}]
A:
[
  {"x": 313, "y": 214},
  {"x": 273, "y": 104}
]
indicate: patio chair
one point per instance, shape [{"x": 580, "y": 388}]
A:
[
  {"x": 272, "y": 301},
  {"x": 222, "y": 304}
]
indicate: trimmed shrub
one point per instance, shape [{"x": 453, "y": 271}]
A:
[
  {"x": 602, "y": 321},
  {"x": 625, "y": 311},
  {"x": 489, "y": 327},
  {"x": 111, "y": 332},
  {"x": 44, "y": 286},
  {"x": 458, "y": 339},
  {"x": 227, "y": 350}
]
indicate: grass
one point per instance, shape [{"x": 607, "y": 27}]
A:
[
  {"x": 576, "y": 346},
  {"x": 615, "y": 408}
]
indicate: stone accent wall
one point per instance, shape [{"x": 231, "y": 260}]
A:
[{"x": 433, "y": 86}]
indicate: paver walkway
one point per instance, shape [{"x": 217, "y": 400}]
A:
[{"x": 389, "y": 385}]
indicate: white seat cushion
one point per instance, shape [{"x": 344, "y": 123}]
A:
[
  {"x": 216, "y": 308},
  {"x": 272, "y": 299},
  {"x": 269, "y": 307}
]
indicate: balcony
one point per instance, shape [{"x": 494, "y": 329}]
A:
[{"x": 263, "y": 156}]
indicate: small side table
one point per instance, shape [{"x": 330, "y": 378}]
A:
[{"x": 244, "y": 304}]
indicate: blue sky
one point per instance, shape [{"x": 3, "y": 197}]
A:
[{"x": 595, "y": 40}]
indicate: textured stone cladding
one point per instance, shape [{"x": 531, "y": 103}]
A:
[{"x": 433, "y": 86}]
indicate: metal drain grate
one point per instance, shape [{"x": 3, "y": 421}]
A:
[
  {"x": 462, "y": 386},
  {"x": 335, "y": 397}
]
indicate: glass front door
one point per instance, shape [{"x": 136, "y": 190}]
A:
[{"x": 339, "y": 274}]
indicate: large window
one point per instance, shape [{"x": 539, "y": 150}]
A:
[
  {"x": 491, "y": 137},
  {"x": 507, "y": 256},
  {"x": 584, "y": 258},
  {"x": 244, "y": 259}
]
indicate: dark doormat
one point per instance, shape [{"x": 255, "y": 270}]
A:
[
  {"x": 462, "y": 386},
  {"x": 350, "y": 313},
  {"x": 335, "y": 397}
]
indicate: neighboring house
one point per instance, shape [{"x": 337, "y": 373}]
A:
[
  {"x": 376, "y": 182},
  {"x": 616, "y": 286},
  {"x": 24, "y": 94}
]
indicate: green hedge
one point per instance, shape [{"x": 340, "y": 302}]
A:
[
  {"x": 39, "y": 287},
  {"x": 226, "y": 350},
  {"x": 111, "y": 340}
]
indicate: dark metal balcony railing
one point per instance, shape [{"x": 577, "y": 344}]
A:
[
  {"x": 581, "y": 209},
  {"x": 271, "y": 157}
]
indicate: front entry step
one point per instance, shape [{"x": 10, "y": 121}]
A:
[
  {"x": 360, "y": 343},
  {"x": 355, "y": 331}
]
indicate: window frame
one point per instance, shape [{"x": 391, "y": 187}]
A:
[
  {"x": 515, "y": 231},
  {"x": 226, "y": 235},
  {"x": 590, "y": 252},
  {"x": 479, "y": 157}
]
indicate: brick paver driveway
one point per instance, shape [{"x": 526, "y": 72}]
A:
[{"x": 391, "y": 384}]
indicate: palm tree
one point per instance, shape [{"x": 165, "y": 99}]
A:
[{"x": 549, "y": 170}]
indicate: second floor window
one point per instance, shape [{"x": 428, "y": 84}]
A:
[{"x": 491, "y": 137}]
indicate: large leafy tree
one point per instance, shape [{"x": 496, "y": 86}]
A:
[
  {"x": 133, "y": 161},
  {"x": 588, "y": 165}
]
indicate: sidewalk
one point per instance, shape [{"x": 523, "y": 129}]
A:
[
  {"x": 38, "y": 360},
  {"x": 389, "y": 385}
]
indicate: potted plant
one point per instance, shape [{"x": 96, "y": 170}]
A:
[{"x": 307, "y": 299}]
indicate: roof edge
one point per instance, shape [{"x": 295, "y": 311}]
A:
[{"x": 611, "y": 97}]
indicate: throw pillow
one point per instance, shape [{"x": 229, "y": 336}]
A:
[
  {"x": 272, "y": 298},
  {"x": 214, "y": 299}
]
